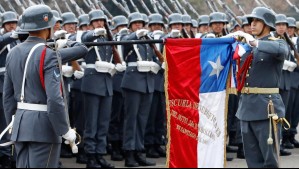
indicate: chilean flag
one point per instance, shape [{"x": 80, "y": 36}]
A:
[{"x": 196, "y": 79}]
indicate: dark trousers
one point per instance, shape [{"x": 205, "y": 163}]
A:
[
  {"x": 3, "y": 150},
  {"x": 97, "y": 111},
  {"x": 117, "y": 117},
  {"x": 77, "y": 110},
  {"x": 155, "y": 129},
  {"x": 37, "y": 155},
  {"x": 258, "y": 153},
  {"x": 293, "y": 111},
  {"x": 137, "y": 108},
  {"x": 232, "y": 120}
]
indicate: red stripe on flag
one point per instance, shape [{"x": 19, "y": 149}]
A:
[{"x": 183, "y": 84}]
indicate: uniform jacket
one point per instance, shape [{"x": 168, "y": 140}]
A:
[
  {"x": 265, "y": 72},
  {"x": 95, "y": 82},
  {"x": 143, "y": 82},
  {"x": 29, "y": 125}
]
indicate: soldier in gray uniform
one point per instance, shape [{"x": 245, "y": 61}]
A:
[
  {"x": 138, "y": 87},
  {"x": 262, "y": 73},
  {"x": 119, "y": 25},
  {"x": 32, "y": 92},
  {"x": 217, "y": 24},
  {"x": 155, "y": 130},
  {"x": 203, "y": 25},
  {"x": 187, "y": 21},
  {"x": 175, "y": 25},
  {"x": 59, "y": 20},
  {"x": 7, "y": 42},
  {"x": 97, "y": 92},
  {"x": 294, "y": 93},
  {"x": 234, "y": 25}
]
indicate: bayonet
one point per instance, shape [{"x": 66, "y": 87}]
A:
[
  {"x": 134, "y": 6},
  {"x": 67, "y": 6},
  {"x": 258, "y": 3},
  {"x": 126, "y": 6},
  {"x": 24, "y": 3},
  {"x": 92, "y": 6},
  {"x": 145, "y": 7},
  {"x": 210, "y": 6},
  {"x": 31, "y": 3},
  {"x": 2, "y": 9},
  {"x": 214, "y": 5},
  {"x": 175, "y": 6},
  {"x": 293, "y": 6},
  {"x": 264, "y": 4},
  {"x": 105, "y": 9},
  {"x": 229, "y": 11},
  {"x": 86, "y": 4},
  {"x": 239, "y": 7},
  {"x": 162, "y": 9},
  {"x": 10, "y": 6},
  {"x": 78, "y": 9},
  {"x": 42, "y": 2},
  {"x": 181, "y": 7},
  {"x": 166, "y": 7},
  {"x": 96, "y": 4},
  {"x": 187, "y": 3},
  {"x": 121, "y": 7},
  {"x": 20, "y": 5},
  {"x": 57, "y": 6},
  {"x": 153, "y": 2}
]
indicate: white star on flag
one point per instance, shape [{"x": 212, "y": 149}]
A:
[{"x": 217, "y": 67}]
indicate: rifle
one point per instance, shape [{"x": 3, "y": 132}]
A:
[
  {"x": 258, "y": 3},
  {"x": 293, "y": 6},
  {"x": 181, "y": 7},
  {"x": 78, "y": 9},
  {"x": 210, "y": 6},
  {"x": 264, "y": 4},
  {"x": 229, "y": 11},
  {"x": 175, "y": 6},
  {"x": 153, "y": 3},
  {"x": 31, "y": 3},
  {"x": 24, "y": 3},
  {"x": 121, "y": 7},
  {"x": 57, "y": 6},
  {"x": 166, "y": 7},
  {"x": 145, "y": 7},
  {"x": 162, "y": 9},
  {"x": 67, "y": 6},
  {"x": 105, "y": 9},
  {"x": 214, "y": 5},
  {"x": 134, "y": 6},
  {"x": 20, "y": 5},
  {"x": 191, "y": 8},
  {"x": 92, "y": 6},
  {"x": 239, "y": 7},
  {"x": 96, "y": 4},
  {"x": 2, "y": 9},
  {"x": 156, "y": 50},
  {"x": 116, "y": 56},
  {"x": 126, "y": 6},
  {"x": 10, "y": 6}
]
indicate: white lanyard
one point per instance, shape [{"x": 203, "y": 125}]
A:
[
  {"x": 79, "y": 36},
  {"x": 25, "y": 70},
  {"x": 137, "y": 52}
]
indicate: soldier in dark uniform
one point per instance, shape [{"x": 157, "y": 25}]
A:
[
  {"x": 217, "y": 24},
  {"x": 97, "y": 92},
  {"x": 119, "y": 25},
  {"x": 138, "y": 87},
  {"x": 292, "y": 108},
  {"x": 59, "y": 20},
  {"x": 155, "y": 130},
  {"x": 32, "y": 92},
  {"x": 262, "y": 73},
  {"x": 8, "y": 41}
]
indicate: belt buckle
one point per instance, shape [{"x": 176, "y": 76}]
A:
[{"x": 246, "y": 90}]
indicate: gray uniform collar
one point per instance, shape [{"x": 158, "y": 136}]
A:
[{"x": 35, "y": 39}]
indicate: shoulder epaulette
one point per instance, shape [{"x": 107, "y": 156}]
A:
[{"x": 273, "y": 38}]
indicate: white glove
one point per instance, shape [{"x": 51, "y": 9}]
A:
[
  {"x": 14, "y": 35},
  {"x": 211, "y": 35},
  {"x": 158, "y": 32},
  {"x": 141, "y": 33},
  {"x": 99, "y": 32},
  {"x": 60, "y": 34},
  {"x": 292, "y": 66},
  {"x": 78, "y": 74},
  {"x": 83, "y": 65},
  {"x": 163, "y": 65},
  {"x": 121, "y": 67},
  {"x": 61, "y": 43},
  {"x": 249, "y": 38},
  {"x": 67, "y": 71},
  {"x": 70, "y": 136},
  {"x": 155, "y": 67},
  {"x": 175, "y": 33},
  {"x": 285, "y": 65},
  {"x": 124, "y": 31}
]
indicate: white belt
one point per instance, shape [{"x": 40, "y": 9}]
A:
[
  {"x": 132, "y": 64},
  {"x": 2, "y": 69},
  {"x": 91, "y": 66},
  {"x": 32, "y": 107}
]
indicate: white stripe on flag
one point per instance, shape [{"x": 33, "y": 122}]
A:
[{"x": 210, "y": 150}]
